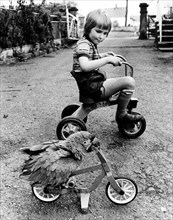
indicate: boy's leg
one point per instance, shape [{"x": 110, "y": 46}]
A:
[
  {"x": 123, "y": 100},
  {"x": 84, "y": 110},
  {"x": 122, "y": 116},
  {"x": 126, "y": 85},
  {"x": 114, "y": 85}
]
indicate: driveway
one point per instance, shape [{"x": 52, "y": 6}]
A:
[{"x": 33, "y": 95}]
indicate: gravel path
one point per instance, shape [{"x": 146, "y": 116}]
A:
[{"x": 33, "y": 95}]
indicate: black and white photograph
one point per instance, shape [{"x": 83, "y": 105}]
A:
[{"x": 86, "y": 109}]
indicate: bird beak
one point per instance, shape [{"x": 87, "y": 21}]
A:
[{"x": 94, "y": 143}]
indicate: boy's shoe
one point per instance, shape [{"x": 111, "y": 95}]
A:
[{"x": 129, "y": 118}]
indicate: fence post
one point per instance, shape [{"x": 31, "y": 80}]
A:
[
  {"x": 159, "y": 19},
  {"x": 67, "y": 19},
  {"x": 143, "y": 21}
]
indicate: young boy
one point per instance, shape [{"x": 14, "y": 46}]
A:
[{"x": 92, "y": 83}]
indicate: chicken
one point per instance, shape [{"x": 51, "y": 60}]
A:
[{"x": 52, "y": 163}]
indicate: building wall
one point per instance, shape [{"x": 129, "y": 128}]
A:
[{"x": 120, "y": 20}]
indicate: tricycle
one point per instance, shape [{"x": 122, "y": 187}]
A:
[{"x": 69, "y": 123}]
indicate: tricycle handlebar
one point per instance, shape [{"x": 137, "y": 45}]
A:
[
  {"x": 131, "y": 68},
  {"x": 121, "y": 57},
  {"x": 126, "y": 64}
]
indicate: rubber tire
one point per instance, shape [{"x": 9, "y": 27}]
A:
[
  {"x": 48, "y": 197},
  {"x": 121, "y": 201},
  {"x": 141, "y": 124},
  {"x": 69, "y": 110},
  {"x": 69, "y": 120}
]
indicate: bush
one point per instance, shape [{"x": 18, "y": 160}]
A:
[{"x": 25, "y": 25}]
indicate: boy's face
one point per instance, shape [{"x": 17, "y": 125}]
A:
[{"x": 97, "y": 35}]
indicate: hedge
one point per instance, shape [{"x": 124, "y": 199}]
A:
[{"x": 27, "y": 24}]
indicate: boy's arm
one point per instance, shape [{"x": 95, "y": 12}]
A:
[
  {"x": 110, "y": 53},
  {"x": 89, "y": 65}
]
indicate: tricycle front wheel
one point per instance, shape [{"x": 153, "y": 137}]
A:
[
  {"x": 128, "y": 186},
  {"x": 69, "y": 110},
  {"x": 68, "y": 126}
]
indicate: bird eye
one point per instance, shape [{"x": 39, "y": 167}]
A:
[{"x": 86, "y": 142}]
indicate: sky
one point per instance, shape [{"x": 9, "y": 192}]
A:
[{"x": 85, "y": 6}]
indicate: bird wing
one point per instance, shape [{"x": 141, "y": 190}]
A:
[
  {"x": 54, "y": 161},
  {"x": 39, "y": 148},
  {"x": 49, "y": 167}
]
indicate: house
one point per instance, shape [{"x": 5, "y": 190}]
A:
[
  {"x": 117, "y": 15},
  {"x": 134, "y": 20},
  {"x": 81, "y": 20}
]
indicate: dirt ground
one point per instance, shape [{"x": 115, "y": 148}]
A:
[{"x": 33, "y": 95}]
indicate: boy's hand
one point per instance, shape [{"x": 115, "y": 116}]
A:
[
  {"x": 107, "y": 54},
  {"x": 115, "y": 61},
  {"x": 111, "y": 53}
]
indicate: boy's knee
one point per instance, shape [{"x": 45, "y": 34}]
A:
[
  {"x": 131, "y": 82},
  {"x": 128, "y": 91}
]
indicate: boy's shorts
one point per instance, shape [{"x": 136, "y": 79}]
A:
[
  {"x": 93, "y": 94},
  {"x": 89, "y": 85}
]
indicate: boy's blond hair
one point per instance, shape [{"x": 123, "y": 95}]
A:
[{"x": 97, "y": 18}]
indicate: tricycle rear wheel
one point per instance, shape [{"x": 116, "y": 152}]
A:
[{"x": 133, "y": 129}]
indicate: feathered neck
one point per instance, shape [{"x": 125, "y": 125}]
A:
[{"x": 74, "y": 146}]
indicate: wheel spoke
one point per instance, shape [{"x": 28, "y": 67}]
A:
[
  {"x": 125, "y": 196},
  {"x": 67, "y": 128},
  {"x": 125, "y": 185},
  {"x": 133, "y": 128},
  {"x": 70, "y": 128},
  {"x": 42, "y": 195},
  {"x": 113, "y": 192},
  {"x": 117, "y": 196}
]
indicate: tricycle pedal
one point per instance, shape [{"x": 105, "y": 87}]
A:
[{"x": 132, "y": 103}]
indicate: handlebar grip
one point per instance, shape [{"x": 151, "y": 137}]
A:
[
  {"x": 121, "y": 57},
  {"x": 126, "y": 64}
]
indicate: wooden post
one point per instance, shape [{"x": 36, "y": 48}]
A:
[
  {"x": 67, "y": 19},
  {"x": 143, "y": 21},
  {"x": 126, "y": 15},
  {"x": 159, "y": 19}
]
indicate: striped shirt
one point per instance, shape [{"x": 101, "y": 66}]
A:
[{"x": 86, "y": 48}]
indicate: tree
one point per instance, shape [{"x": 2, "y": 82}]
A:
[
  {"x": 31, "y": 2},
  {"x": 43, "y": 2}
]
